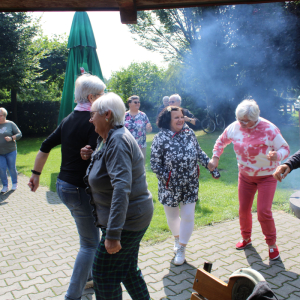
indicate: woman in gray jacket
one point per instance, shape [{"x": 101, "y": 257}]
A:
[
  {"x": 123, "y": 206},
  {"x": 175, "y": 153}
]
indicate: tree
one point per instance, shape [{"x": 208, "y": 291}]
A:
[
  {"x": 19, "y": 61},
  {"x": 228, "y": 53},
  {"x": 143, "y": 79},
  {"x": 49, "y": 85}
]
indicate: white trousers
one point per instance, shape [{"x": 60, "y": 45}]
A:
[{"x": 181, "y": 220}]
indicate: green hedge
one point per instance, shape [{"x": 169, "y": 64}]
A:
[{"x": 35, "y": 118}]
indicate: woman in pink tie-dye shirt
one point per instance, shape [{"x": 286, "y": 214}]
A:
[{"x": 259, "y": 148}]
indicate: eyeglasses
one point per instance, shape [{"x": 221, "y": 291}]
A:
[
  {"x": 99, "y": 94},
  {"x": 243, "y": 122},
  {"x": 136, "y": 102},
  {"x": 92, "y": 114},
  {"x": 172, "y": 102}
]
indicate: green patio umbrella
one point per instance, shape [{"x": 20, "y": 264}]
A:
[{"x": 82, "y": 54}]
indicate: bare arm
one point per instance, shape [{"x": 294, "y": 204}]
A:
[{"x": 39, "y": 163}]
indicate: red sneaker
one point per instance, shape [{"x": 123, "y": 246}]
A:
[
  {"x": 274, "y": 253},
  {"x": 242, "y": 244}
]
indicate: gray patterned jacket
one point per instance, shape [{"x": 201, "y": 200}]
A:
[{"x": 174, "y": 158}]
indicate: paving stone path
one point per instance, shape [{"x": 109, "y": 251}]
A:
[{"x": 39, "y": 242}]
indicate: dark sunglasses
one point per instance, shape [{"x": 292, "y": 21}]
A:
[{"x": 136, "y": 102}]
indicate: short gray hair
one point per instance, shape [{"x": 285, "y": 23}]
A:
[
  {"x": 247, "y": 108},
  {"x": 88, "y": 84},
  {"x": 113, "y": 102},
  {"x": 166, "y": 98},
  {"x": 4, "y": 111},
  {"x": 177, "y": 97}
]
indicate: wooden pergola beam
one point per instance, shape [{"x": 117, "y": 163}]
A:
[
  {"x": 128, "y": 11},
  {"x": 128, "y": 8}
]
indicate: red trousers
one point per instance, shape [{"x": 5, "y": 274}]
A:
[{"x": 247, "y": 187}]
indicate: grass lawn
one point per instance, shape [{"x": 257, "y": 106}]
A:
[{"x": 218, "y": 198}]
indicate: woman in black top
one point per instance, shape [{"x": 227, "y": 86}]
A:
[{"x": 73, "y": 133}]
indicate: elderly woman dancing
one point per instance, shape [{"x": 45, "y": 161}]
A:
[
  {"x": 73, "y": 133},
  {"x": 175, "y": 153},
  {"x": 123, "y": 205},
  {"x": 259, "y": 148}
]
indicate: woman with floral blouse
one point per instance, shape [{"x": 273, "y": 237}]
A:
[
  {"x": 137, "y": 122},
  {"x": 175, "y": 153},
  {"x": 259, "y": 148}
]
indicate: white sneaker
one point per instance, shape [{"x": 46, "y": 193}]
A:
[
  {"x": 176, "y": 244},
  {"x": 180, "y": 256},
  {"x": 14, "y": 186},
  {"x": 4, "y": 189}
]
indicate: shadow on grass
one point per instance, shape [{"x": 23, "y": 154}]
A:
[{"x": 203, "y": 209}]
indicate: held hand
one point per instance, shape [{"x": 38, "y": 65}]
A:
[
  {"x": 86, "y": 152},
  {"x": 8, "y": 138},
  {"x": 112, "y": 246},
  {"x": 281, "y": 172},
  {"x": 272, "y": 156},
  {"x": 210, "y": 166},
  {"x": 213, "y": 163},
  {"x": 34, "y": 182}
]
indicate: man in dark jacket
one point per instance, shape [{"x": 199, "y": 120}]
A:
[
  {"x": 165, "y": 104},
  {"x": 189, "y": 118},
  {"x": 283, "y": 170}
]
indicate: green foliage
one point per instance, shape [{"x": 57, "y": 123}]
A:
[
  {"x": 143, "y": 79},
  {"x": 19, "y": 61},
  {"x": 227, "y": 53},
  {"x": 54, "y": 62},
  {"x": 49, "y": 86}
]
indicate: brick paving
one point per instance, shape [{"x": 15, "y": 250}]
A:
[{"x": 39, "y": 242}]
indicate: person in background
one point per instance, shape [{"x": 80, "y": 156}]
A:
[
  {"x": 73, "y": 133},
  {"x": 291, "y": 164},
  {"x": 123, "y": 206},
  {"x": 259, "y": 148},
  {"x": 175, "y": 100},
  {"x": 9, "y": 134},
  {"x": 137, "y": 123},
  {"x": 175, "y": 153},
  {"x": 165, "y": 104}
]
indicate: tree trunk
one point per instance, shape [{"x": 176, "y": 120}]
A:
[{"x": 14, "y": 106}]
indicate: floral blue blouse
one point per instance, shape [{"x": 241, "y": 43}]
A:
[{"x": 137, "y": 127}]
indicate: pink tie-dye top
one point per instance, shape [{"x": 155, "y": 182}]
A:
[{"x": 252, "y": 145}]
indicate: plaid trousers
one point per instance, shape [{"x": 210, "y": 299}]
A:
[{"x": 109, "y": 270}]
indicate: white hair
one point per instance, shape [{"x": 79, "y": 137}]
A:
[
  {"x": 177, "y": 97},
  {"x": 247, "y": 108},
  {"x": 166, "y": 98},
  {"x": 115, "y": 104},
  {"x": 87, "y": 84},
  {"x": 4, "y": 111}
]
